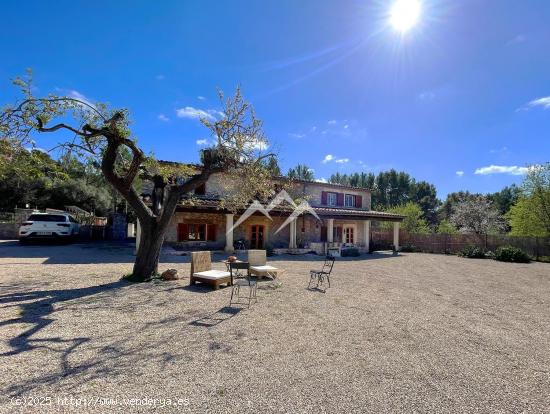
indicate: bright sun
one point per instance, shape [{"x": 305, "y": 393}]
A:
[{"x": 405, "y": 14}]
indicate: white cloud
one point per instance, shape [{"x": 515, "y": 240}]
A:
[
  {"x": 81, "y": 97},
  {"x": 194, "y": 113},
  {"x": 502, "y": 169},
  {"x": 460, "y": 173},
  {"x": 544, "y": 102},
  {"x": 426, "y": 96},
  {"x": 517, "y": 40},
  {"x": 202, "y": 142},
  {"x": 332, "y": 122},
  {"x": 201, "y": 98},
  {"x": 302, "y": 134},
  {"x": 321, "y": 180},
  {"x": 500, "y": 150},
  {"x": 346, "y": 126},
  {"x": 330, "y": 157},
  {"x": 160, "y": 77},
  {"x": 163, "y": 118}
]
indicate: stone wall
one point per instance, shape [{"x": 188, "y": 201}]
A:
[
  {"x": 9, "y": 231},
  {"x": 242, "y": 231},
  {"x": 198, "y": 218},
  {"x": 314, "y": 191},
  {"x": 118, "y": 229},
  {"x": 308, "y": 230},
  {"x": 221, "y": 184}
]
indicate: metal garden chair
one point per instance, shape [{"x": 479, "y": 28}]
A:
[
  {"x": 242, "y": 279},
  {"x": 321, "y": 275}
]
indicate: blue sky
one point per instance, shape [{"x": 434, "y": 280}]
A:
[{"x": 337, "y": 87}]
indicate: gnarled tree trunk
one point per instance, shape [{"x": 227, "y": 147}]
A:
[
  {"x": 153, "y": 231},
  {"x": 148, "y": 252}
]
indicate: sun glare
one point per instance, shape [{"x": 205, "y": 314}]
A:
[{"x": 405, "y": 14}]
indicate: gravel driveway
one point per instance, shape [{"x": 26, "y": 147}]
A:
[{"x": 416, "y": 332}]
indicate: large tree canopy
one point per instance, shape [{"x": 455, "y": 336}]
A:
[
  {"x": 392, "y": 189},
  {"x": 530, "y": 216},
  {"x": 301, "y": 172},
  {"x": 31, "y": 176},
  {"x": 414, "y": 221},
  {"x": 103, "y": 135}
]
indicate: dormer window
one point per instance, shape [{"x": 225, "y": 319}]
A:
[{"x": 332, "y": 199}]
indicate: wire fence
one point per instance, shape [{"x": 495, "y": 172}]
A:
[{"x": 453, "y": 243}]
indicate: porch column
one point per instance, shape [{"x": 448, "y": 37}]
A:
[
  {"x": 292, "y": 241},
  {"x": 330, "y": 230},
  {"x": 366, "y": 233},
  {"x": 138, "y": 235},
  {"x": 229, "y": 232},
  {"x": 396, "y": 235}
]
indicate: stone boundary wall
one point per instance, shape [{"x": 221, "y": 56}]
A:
[{"x": 8, "y": 231}]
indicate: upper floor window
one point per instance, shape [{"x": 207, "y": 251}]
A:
[
  {"x": 349, "y": 200},
  {"x": 332, "y": 199}
]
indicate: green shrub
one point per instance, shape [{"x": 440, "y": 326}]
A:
[
  {"x": 410, "y": 248},
  {"x": 511, "y": 254},
  {"x": 350, "y": 252},
  {"x": 472, "y": 252}
]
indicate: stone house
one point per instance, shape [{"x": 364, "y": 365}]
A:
[{"x": 340, "y": 216}]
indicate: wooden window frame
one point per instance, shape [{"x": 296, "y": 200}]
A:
[
  {"x": 194, "y": 228},
  {"x": 202, "y": 232},
  {"x": 353, "y": 198}
]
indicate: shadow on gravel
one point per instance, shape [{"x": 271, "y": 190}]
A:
[
  {"x": 200, "y": 288},
  {"x": 316, "y": 289},
  {"x": 221, "y": 315},
  {"x": 35, "y": 309}
]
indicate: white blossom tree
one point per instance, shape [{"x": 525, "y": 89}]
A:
[{"x": 477, "y": 215}]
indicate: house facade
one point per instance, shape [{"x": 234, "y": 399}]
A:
[{"x": 339, "y": 217}]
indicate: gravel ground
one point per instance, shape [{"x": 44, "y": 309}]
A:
[{"x": 416, "y": 332}]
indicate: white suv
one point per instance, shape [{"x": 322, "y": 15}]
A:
[{"x": 49, "y": 226}]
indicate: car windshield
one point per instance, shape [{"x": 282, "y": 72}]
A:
[{"x": 47, "y": 217}]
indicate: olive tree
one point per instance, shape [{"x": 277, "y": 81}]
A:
[{"x": 104, "y": 135}]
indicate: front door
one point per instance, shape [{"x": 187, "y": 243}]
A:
[
  {"x": 257, "y": 237},
  {"x": 349, "y": 235}
]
